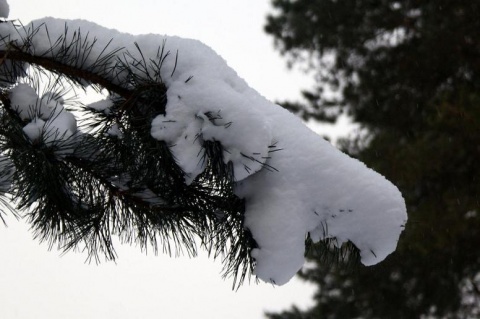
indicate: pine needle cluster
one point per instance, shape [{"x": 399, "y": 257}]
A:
[{"x": 82, "y": 191}]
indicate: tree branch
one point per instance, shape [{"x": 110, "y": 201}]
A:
[{"x": 15, "y": 54}]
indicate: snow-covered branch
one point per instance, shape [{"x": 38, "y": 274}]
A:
[{"x": 181, "y": 129}]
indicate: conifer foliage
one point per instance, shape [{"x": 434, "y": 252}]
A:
[{"x": 81, "y": 183}]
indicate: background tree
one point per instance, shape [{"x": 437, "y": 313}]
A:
[{"x": 408, "y": 72}]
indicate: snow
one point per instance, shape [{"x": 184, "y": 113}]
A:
[
  {"x": 50, "y": 106},
  {"x": 193, "y": 117},
  {"x": 34, "y": 129},
  {"x": 4, "y": 9},
  {"x": 321, "y": 191},
  {"x": 60, "y": 127},
  {"x": 48, "y": 120},
  {"x": 24, "y": 100},
  {"x": 294, "y": 183}
]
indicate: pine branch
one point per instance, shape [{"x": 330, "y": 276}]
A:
[
  {"x": 106, "y": 186},
  {"x": 15, "y": 54}
]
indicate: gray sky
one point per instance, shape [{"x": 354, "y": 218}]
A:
[{"x": 37, "y": 283}]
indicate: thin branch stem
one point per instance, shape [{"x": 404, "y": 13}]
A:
[{"x": 61, "y": 68}]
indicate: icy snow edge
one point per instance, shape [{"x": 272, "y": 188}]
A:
[{"x": 295, "y": 184}]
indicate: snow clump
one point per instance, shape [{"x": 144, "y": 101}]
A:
[
  {"x": 4, "y": 9},
  {"x": 47, "y": 119}
]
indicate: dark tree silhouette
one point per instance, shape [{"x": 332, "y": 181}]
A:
[{"x": 408, "y": 72}]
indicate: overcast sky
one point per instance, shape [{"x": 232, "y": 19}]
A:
[{"x": 37, "y": 283}]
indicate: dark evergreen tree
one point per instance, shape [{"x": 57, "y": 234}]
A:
[{"x": 409, "y": 73}]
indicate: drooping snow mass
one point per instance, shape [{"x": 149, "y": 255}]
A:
[{"x": 295, "y": 184}]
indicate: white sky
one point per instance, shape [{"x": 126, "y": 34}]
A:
[{"x": 37, "y": 283}]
